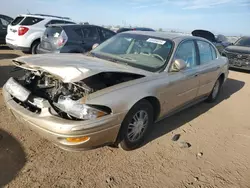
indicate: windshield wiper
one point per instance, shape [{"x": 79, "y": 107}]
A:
[
  {"x": 127, "y": 58},
  {"x": 115, "y": 60}
]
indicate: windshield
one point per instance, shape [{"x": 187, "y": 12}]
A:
[
  {"x": 140, "y": 51},
  {"x": 244, "y": 41}
]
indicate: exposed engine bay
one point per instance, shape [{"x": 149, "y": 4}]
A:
[
  {"x": 65, "y": 98},
  {"x": 49, "y": 87}
]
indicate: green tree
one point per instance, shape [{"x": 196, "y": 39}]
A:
[{"x": 160, "y": 29}]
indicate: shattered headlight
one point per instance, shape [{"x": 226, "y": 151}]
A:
[{"x": 78, "y": 110}]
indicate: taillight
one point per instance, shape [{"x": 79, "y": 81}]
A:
[
  {"x": 22, "y": 30},
  {"x": 61, "y": 41}
]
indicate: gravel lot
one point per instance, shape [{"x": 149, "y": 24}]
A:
[{"x": 219, "y": 155}]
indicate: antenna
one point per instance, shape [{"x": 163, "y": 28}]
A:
[{"x": 28, "y": 11}]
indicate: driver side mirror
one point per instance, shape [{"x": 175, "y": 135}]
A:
[
  {"x": 178, "y": 65},
  {"x": 94, "y": 46}
]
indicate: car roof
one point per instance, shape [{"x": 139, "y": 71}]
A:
[
  {"x": 78, "y": 25},
  {"x": 45, "y": 16},
  {"x": 163, "y": 35},
  {"x": 2, "y": 15}
]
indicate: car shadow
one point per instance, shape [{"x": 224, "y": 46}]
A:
[
  {"x": 3, "y": 47},
  {"x": 12, "y": 158},
  {"x": 8, "y": 71},
  {"x": 8, "y": 56},
  {"x": 173, "y": 122}
]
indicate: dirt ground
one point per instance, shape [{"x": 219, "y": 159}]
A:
[{"x": 219, "y": 155}]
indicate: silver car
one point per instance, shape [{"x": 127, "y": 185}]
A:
[{"x": 114, "y": 94}]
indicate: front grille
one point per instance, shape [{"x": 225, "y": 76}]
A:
[{"x": 237, "y": 56}]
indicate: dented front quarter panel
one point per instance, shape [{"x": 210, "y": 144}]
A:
[{"x": 122, "y": 97}]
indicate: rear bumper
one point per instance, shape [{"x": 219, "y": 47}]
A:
[
  {"x": 101, "y": 131},
  {"x": 24, "y": 49}
]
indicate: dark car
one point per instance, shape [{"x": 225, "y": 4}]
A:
[
  {"x": 72, "y": 38},
  {"x": 4, "y": 22},
  {"x": 239, "y": 54},
  {"x": 220, "y": 41},
  {"x": 134, "y": 29}
]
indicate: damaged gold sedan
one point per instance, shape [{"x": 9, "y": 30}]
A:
[{"x": 114, "y": 94}]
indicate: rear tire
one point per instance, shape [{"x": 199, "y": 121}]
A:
[
  {"x": 136, "y": 126},
  {"x": 215, "y": 92},
  {"x": 34, "y": 47}
]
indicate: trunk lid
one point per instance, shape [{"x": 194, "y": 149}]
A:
[
  {"x": 12, "y": 31},
  {"x": 204, "y": 34},
  {"x": 73, "y": 67}
]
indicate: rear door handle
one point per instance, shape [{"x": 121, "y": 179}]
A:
[
  {"x": 195, "y": 75},
  {"x": 216, "y": 68}
]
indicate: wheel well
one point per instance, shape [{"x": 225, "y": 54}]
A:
[
  {"x": 222, "y": 77},
  {"x": 37, "y": 40},
  {"x": 156, "y": 105}
]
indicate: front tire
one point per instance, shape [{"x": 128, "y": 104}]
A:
[
  {"x": 215, "y": 92},
  {"x": 136, "y": 126}
]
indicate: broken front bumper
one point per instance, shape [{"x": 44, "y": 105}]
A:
[{"x": 101, "y": 131}]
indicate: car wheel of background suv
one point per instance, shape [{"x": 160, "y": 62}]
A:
[{"x": 136, "y": 125}]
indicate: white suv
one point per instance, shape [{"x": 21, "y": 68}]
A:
[{"x": 25, "y": 31}]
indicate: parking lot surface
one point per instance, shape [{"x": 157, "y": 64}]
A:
[{"x": 219, "y": 155}]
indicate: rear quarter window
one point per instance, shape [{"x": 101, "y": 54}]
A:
[
  {"x": 31, "y": 21},
  {"x": 53, "y": 32},
  {"x": 17, "y": 20}
]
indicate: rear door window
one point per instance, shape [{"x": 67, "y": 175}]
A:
[
  {"x": 31, "y": 21},
  {"x": 79, "y": 32},
  {"x": 90, "y": 33},
  {"x": 214, "y": 54},
  {"x": 4, "y": 22},
  {"x": 106, "y": 33},
  {"x": 17, "y": 20}
]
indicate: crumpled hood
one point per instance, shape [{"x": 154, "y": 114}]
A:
[
  {"x": 73, "y": 67},
  {"x": 238, "y": 49}
]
